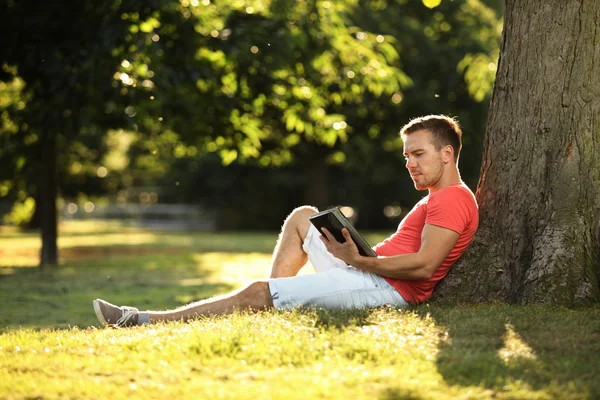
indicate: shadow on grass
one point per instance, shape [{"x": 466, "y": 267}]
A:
[
  {"x": 61, "y": 297},
  {"x": 342, "y": 318},
  {"x": 400, "y": 394},
  {"x": 512, "y": 348}
]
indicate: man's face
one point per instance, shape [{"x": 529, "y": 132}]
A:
[{"x": 423, "y": 161}]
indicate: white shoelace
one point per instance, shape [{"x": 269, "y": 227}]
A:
[{"x": 128, "y": 314}]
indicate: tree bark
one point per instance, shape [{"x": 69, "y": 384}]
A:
[
  {"x": 47, "y": 196},
  {"x": 539, "y": 187},
  {"x": 315, "y": 192}
]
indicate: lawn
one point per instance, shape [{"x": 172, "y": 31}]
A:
[{"x": 52, "y": 347}]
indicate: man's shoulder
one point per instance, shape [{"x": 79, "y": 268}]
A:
[
  {"x": 453, "y": 207},
  {"x": 454, "y": 199},
  {"x": 460, "y": 192}
]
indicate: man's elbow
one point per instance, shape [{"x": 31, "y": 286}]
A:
[{"x": 426, "y": 272}]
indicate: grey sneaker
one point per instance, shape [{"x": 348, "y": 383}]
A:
[{"x": 109, "y": 314}]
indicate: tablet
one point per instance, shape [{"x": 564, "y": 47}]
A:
[{"x": 334, "y": 220}]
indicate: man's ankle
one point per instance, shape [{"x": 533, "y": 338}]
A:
[{"x": 143, "y": 318}]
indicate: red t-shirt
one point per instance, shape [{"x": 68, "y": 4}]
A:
[{"x": 453, "y": 207}]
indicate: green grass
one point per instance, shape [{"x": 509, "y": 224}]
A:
[{"x": 51, "y": 346}]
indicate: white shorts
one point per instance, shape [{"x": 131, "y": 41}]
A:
[{"x": 334, "y": 285}]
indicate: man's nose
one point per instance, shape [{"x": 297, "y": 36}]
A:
[{"x": 410, "y": 163}]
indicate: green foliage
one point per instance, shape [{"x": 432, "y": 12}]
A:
[
  {"x": 269, "y": 78},
  {"x": 14, "y": 154},
  {"x": 68, "y": 76},
  {"x": 320, "y": 86},
  {"x": 479, "y": 71},
  {"x": 276, "y": 75},
  {"x": 21, "y": 212},
  {"x": 496, "y": 5},
  {"x": 431, "y": 50}
]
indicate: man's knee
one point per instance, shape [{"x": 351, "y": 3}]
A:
[
  {"x": 301, "y": 214},
  {"x": 298, "y": 220}
]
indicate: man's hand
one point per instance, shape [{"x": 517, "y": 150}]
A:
[{"x": 347, "y": 251}]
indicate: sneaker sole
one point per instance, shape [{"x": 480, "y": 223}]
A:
[{"x": 98, "y": 312}]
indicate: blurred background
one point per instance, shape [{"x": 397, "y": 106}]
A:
[{"x": 227, "y": 114}]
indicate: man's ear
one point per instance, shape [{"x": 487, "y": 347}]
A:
[{"x": 448, "y": 154}]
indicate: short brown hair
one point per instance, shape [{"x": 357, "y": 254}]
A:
[{"x": 444, "y": 131}]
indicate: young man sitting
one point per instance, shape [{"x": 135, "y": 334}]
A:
[{"x": 419, "y": 254}]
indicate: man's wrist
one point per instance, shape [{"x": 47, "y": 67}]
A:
[{"x": 361, "y": 262}]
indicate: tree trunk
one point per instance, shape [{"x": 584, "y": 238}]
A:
[
  {"x": 539, "y": 189},
  {"x": 47, "y": 201},
  {"x": 315, "y": 193}
]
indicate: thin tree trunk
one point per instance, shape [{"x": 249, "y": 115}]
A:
[
  {"x": 47, "y": 201},
  {"x": 316, "y": 184},
  {"x": 539, "y": 189}
]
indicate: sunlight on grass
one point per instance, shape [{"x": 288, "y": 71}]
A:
[
  {"x": 234, "y": 268},
  {"x": 514, "y": 347},
  {"x": 425, "y": 352},
  {"x": 18, "y": 262},
  {"x": 297, "y": 355},
  {"x": 238, "y": 267},
  {"x": 23, "y": 250},
  {"x": 95, "y": 226},
  {"x": 359, "y": 354}
]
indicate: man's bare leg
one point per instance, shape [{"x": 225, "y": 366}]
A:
[
  {"x": 288, "y": 256},
  {"x": 288, "y": 259},
  {"x": 254, "y": 297}
]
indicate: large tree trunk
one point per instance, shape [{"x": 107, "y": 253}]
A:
[
  {"x": 539, "y": 189},
  {"x": 47, "y": 201}
]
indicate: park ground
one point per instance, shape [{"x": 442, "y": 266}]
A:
[{"x": 51, "y": 345}]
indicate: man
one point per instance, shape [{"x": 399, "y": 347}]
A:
[{"x": 409, "y": 264}]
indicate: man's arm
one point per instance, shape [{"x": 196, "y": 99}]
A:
[{"x": 436, "y": 244}]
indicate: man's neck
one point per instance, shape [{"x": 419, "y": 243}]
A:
[{"x": 450, "y": 177}]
